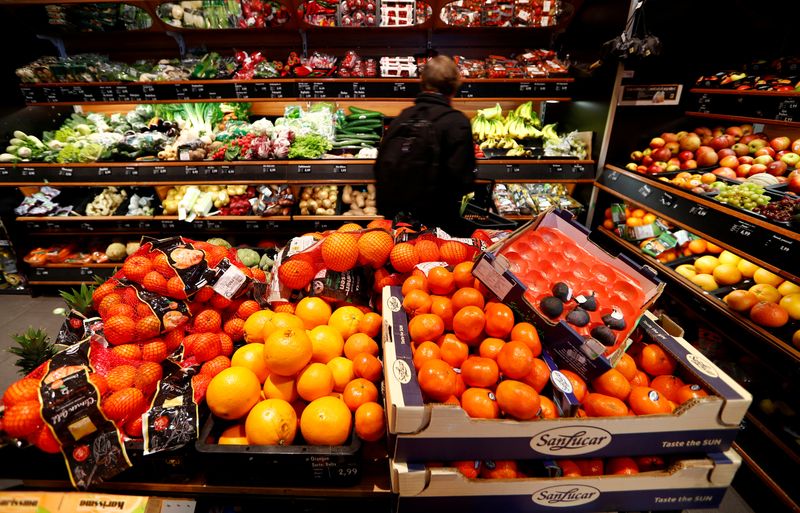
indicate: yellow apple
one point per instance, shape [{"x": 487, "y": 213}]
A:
[
  {"x": 788, "y": 287},
  {"x": 727, "y": 274},
  {"x": 747, "y": 268},
  {"x": 741, "y": 300},
  {"x": 796, "y": 339},
  {"x": 766, "y": 293},
  {"x": 764, "y": 276},
  {"x": 791, "y": 304},
  {"x": 726, "y": 257},
  {"x": 686, "y": 270},
  {"x": 705, "y": 282},
  {"x": 706, "y": 264}
]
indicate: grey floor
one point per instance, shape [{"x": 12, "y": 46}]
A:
[{"x": 17, "y": 313}]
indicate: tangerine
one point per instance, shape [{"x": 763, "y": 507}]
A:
[
  {"x": 295, "y": 274},
  {"x": 454, "y": 252},
  {"x": 548, "y": 408},
  {"x": 374, "y": 247},
  {"x": 427, "y": 250},
  {"x": 612, "y": 383},
  {"x": 569, "y": 468},
  {"x": 467, "y": 296},
  {"x": 688, "y": 392},
  {"x": 403, "y": 257},
  {"x": 342, "y": 371},
  {"x": 578, "y": 385},
  {"x": 621, "y": 466},
  {"x": 601, "y": 405},
  {"x": 462, "y": 275},
  {"x": 468, "y": 323},
  {"x": 415, "y": 282},
  {"x": 453, "y": 351},
  {"x": 326, "y": 343},
  {"x": 490, "y": 347},
  {"x": 346, "y": 320},
  {"x": 417, "y": 302},
  {"x": 499, "y": 320},
  {"x": 441, "y": 281},
  {"x": 358, "y": 392},
  {"x": 515, "y": 360},
  {"x": 526, "y": 332},
  {"x": 360, "y": 343},
  {"x": 370, "y": 324},
  {"x": 626, "y": 365},
  {"x": 313, "y": 311},
  {"x": 499, "y": 469},
  {"x": 667, "y": 385},
  {"x": 640, "y": 379},
  {"x": 425, "y": 326},
  {"x": 477, "y": 371},
  {"x": 648, "y": 401},
  {"x": 437, "y": 380},
  {"x": 591, "y": 466},
  {"x": 654, "y": 361},
  {"x": 367, "y": 366},
  {"x": 480, "y": 403},
  {"x": 370, "y": 422},
  {"x": 539, "y": 376},
  {"x": 517, "y": 399},
  {"x": 443, "y": 307}
]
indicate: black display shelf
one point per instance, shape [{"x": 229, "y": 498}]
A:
[
  {"x": 553, "y": 170},
  {"x": 69, "y": 274},
  {"x": 747, "y": 106}
]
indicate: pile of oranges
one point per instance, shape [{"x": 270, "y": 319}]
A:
[
  {"x": 511, "y": 469},
  {"x": 469, "y": 351},
  {"x": 310, "y": 377}
]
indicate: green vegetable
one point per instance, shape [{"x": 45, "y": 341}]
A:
[
  {"x": 310, "y": 146},
  {"x": 248, "y": 257}
]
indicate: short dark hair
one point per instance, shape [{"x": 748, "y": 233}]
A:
[{"x": 441, "y": 75}]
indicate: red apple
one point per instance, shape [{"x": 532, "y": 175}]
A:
[
  {"x": 796, "y": 146},
  {"x": 674, "y": 161},
  {"x": 686, "y": 155},
  {"x": 673, "y": 146},
  {"x": 729, "y": 161},
  {"x": 636, "y": 156},
  {"x": 780, "y": 143},
  {"x": 747, "y": 138},
  {"x": 777, "y": 168},
  {"x": 740, "y": 149},
  {"x": 763, "y": 159},
  {"x": 647, "y": 160},
  {"x": 725, "y": 172},
  {"x": 641, "y": 169},
  {"x": 662, "y": 154},
  {"x": 654, "y": 169},
  {"x": 794, "y": 182},
  {"x": 690, "y": 142},
  {"x": 735, "y": 131},
  {"x": 747, "y": 129},
  {"x": 669, "y": 137},
  {"x": 689, "y": 164},
  {"x": 702, "y": 130},
  {"x": 757, "y": 168},
  {"x": 743, "y": 169},
  {"x": 721, "y": 141},
  {"x": 745, "y": 159},
  {"x": 680, "y": 135},
  {"x": 766, "y": 150},
  {"x": 657, "y": 142},
  {"x": 706, "y": 156},
  {"x": 724, "y": 152},
  {"x": 717, "y": 131}
]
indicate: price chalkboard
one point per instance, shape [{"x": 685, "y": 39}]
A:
[{"x": 533, "y": 170}]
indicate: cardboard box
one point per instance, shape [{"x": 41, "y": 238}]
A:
[
  {"x": 428, "y": 432},
  {"x": 570, "y": 350},
  {"x": 691, "y": 483},
  {"x": 29, "y": 502},
  {"x": 82, "y": 502}
]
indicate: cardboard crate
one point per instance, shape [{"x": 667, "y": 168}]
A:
[
  {"x": 570, "y": 350},
  {"x": 691, "y": 483},
  {"x": 428, "y": 432},
  {"x": 72, "y": 502}
]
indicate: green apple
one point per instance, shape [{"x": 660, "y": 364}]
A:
[{"x": 790, "y": 159}]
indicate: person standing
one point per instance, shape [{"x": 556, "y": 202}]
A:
[{"x": 426, "y": 160}]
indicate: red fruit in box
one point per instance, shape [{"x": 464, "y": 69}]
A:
[
  {"x": 247, "y": 308},
  {"x": 102, "y": 291},
  {"x": 154, "y": 350},
  {"x": 122, "y": 309},
  {"x": 99, "y": 382},
  {"x": 591, "y": 467},
  {"x": 499, "y": 469},
  {"x": 207, "y": 321},
  {"x": 147, "y": 327},
  {"x": 136, "y": 268},
  {"x": 154, "y": 282},
  {"x": 470, "y": 468},
  {"x": 22, "y": 419},
  {"x": 119, "y": 330},
  {"x": 226, "y": 344},
  {"x": 25, "y": 389},
  {"x": 133, "y": 428},
  {"x": 128, "y": 351},
  {"x": 120, "y": 377},
  {"x": 200, "y": 384},
  {"x": 235, "y": 329},
  {"x": 161, "y": 264},
  {"x": 173, "y": 339},
  {"x": 219, "y": 302},
  {"x": 108, "y": 301},
  {"x": 204, "y": 294},
  {"x": 147, "y": 377},
  {"x": 205, "y": 347},
  {"x": 295, "y": 274},
  {"x": 124, "y": 404},
  {"x": 176, "y": 288},
  {"x": 44, "y": 440},
  {"x": 621, "y": 466},
  {"x": 215, "y": 365}
]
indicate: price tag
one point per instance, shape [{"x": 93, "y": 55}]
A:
[
  {"x": 467, "y": 91},
  {"x": 65, "y": 171},
  {"x": 87, "y": 227},
  {"x": 86, "y": 271},
  {"x": 561, "y": 87},
  {"x": 52, "y": 226},
  {"x": 304, "y": 168},
  {"x": 304, "y": 90},
  {"x": 578, "y": 169},
  {"x": 28, "y": 93},
  {"x": 512, "y": 168},
  {"x": 50, "y": 95},
  {"x": 29, "y": 171},
  {"x": 704, "y": 103},
  {"x": 269, "y": 168},
  {"x": 227, "y": 170},
  {"x": 197, "y": 91},
  {"x": 251, "y": 225},
  {"x": 780, "y": 245},
  {"x": 667, "y": 200},
  {"x": 399, "y": 87},
  {"x": 181, "y": 92},
  {"x": 198, "y": 224},
  {"x": 167, "y": 225},
  {"x": 241, "y": 91},
  {"x": 645, "y": 191},
  {"x": 525, "y": 87},
  {"x": 556, "y": 168},
  {"x": 107, "y": 94},
  {"x": 698, "y": 211},
  {"x": 319, "y": 90},
  {"x": 214, "y": 225},
  {"x": 131, "y": 171},
  {"x": 159, "y": 170},
  {"x": 612, "y": 176},
  {"x": 103, "y": 171},
  {"x": 88, "y": 96},
  {"x": 149, "y": 92},
  {"x": 192, "y": 171},
  {"x": 359, "y": 91},
  {"x": 122, "y": 93},
  {"x": 3, "y": 171},
  {"x": 339, "y": 168},
  {"x": 33, "y": 226},
  {"x": 40, "y": 271},
  {"x": 743, "y": 229},
  {"x": 787, "y": 110},
  {"x": 276, "y": 90}
]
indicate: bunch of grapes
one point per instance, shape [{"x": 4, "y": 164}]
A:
[
  {"x": 782, "y": 210},
  {"x": 745, "y": 195}
]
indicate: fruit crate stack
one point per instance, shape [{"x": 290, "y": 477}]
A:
[{"x": 523, "y": 406}]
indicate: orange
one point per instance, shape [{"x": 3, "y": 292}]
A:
[
  {"x": 280, "y": 387},
  {"x": 578, "y": 385},
  {"x": 769, "y": 314},
  {"x": 233, "y": 392},
  {"x": 467, "y": 296},
  {"x": 424, "y": 352},
  {"x": 626, "y": 366},
  {"x": 526, "y": 332},
  {"x": 313, "y": 311},
  {"x": 480, "y": 403},
  {"x": 640, "y": 379},
  {"x": 454, "y": 252},
  {"x": 461, "y": 387},
  {"x": 490, "y": 347},
  {"x": 295, "y": 274},
  {"x": 349, "y": 227},
  {"x": 592, "y": 466},
  {"x": 499, "y": 469},
  {"x": 608, "y": 224},
  {"x": 358, "y": 392},
  {"x": 633, "y": 221},
  {"x": 345, "y": 320},
  {"x": 271, "y": 422},
  {"x": 688, "y": 392},
  {"x": 601, "y": 405},
  {"x": 370, "y": 422},
  {"x": 453, "y": 351},
  {"x": 477, "y": 371},
  {"x": 415, "y": 282},
  {"x": 340, "y": 251},
  {"x": 374, "y": 247},
  {"x": 417, "y": 302},
  {"x": 284, "y": 307},
  {"x": 612, "y": 383},
  {"x": 360, "y": 343},
  {"x": 621, "y": 466},
  {"x": 342, "y": 371},
  {"x": 468, "y": 323},
  {"x": 251, "y": 356},
  {"x": 649, "y": 218},
  {"x": 469, "y": 468},
  {"x": 427, "y": 250},
  {"x": 499, "y": 320},
  {"x": 287, "y": 351},
  {"x": 368, "y": 367},
  {"x": 326, "y": 421},
  {"x": 326, "y": 343},
  {"x": 713, "y": 248},
  {"x": 654, "y": 361},
  {"x": 403, "y": 257},
  {"x": 539, "y": 376},
  {"x": 517, "y": 400},
  {"x": 515, "y": 360},
  {"x": 441, "y": 281},
  {"x": 443, "y": 307},
  {"x": 437, "y": 380},
  {"x": 234, "y": 435},
  {"x": 667, "y": 385},
  {"x": 370, "y": 324},
  {"x": 254, "y": 325},
  {"x": 462, "y": 275},
  {"x": 638, "y": 212},
  {"x": 425, "y": 327},
  {"x": 315, "y": 381},
  {"x": 549, "y": 410},
  {"x": 646, "y": 401},
  {"x": 282, "y": 320}
]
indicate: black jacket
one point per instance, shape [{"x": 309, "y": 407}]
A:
[{"x": 456, "y": 170}]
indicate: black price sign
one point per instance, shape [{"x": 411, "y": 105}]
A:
[
  {"x": 252, "y": 225},
  {"x": 339, "y": 168},
  {"x": 556, "y": 168},
  {"x": 319, "y": 90},
  {"x": 359, "y": 91},
  {"x": 159, "y": 170},
  {"x": 167, "y": 225},
  {"x": 29, "y": 172},
  {"x": 467, "y": 91},
  {"x": 227, "y": 170},
  {"x": 645, "y": 191},
  {"x": 241, "y": 91},
  {"x": 192, "y": 171},
  {"x": 698, "y": 211},
  {"x": 269, "y": 168},
  {"x": 276, "y": 90},
  {"x": 29, "y": 94},
  {"x": 103, "y": 171},
  {"x": 787, "y": 110},
  {"x": 399, "y": 87},
  {"x": 780, "y": 245},
  {"x": 561, "y": 87},
  {"x": 743, "y": 229},
  {"x": 182, "y": 92},
  {"x": 131, "y": 171},
  {"x": 303, "y": 169},
  {"x": 3, "y": 171},
  {"x": 512, "y": 168},
  {"x": 304, "y": 90},
  {"x": 65, "y": 172},
  {"x": 107, "y": 94},
  {"x": 149, "y": 92}
]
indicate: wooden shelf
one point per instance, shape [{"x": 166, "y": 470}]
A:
[
  {"x": 769, "y": 107},
  {"x": 742, "y": 119},
  {"x": 708, "y": 90}
]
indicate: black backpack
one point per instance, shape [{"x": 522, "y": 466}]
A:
[{"x": 407, "y": 166}]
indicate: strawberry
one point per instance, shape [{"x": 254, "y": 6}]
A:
[
  {"x": 128, "y": 351},
  {"x": 154, "y": 282},
  {"x": 121, "y": 377},
  {"x": 44, "y": 440},
  {"x": 102, "y": 291},
  {"x": 124, "y": 404},
  {"x": 161, "y": 264},
  {"x": 147, "y": 376},
  {"x": 119, "y": 330},
  {"x": 143, "y": 310},
  {"x": 25, "y": 389},
  {"x": 247, "y": 308},
  {"x": 22, "y": 419},
  {"x": 235, "y": 329},
  {"x": 108, "y": 301},
  {"x": 206, "y": 347},
  {"x": 136, "y": 268},
  {"x": 173, "y": 339},
  {"x": 121, "y": 309},
  {"x": 176, "y": 288},
  {"x": 215, "y": 365},
  {"x": 133, "y": 428},
  {"x": 154, "y": 350},
  {"x": 148, "y": 327},
  {"x": 207, "y": 321},
  {"x": 200, "y": 384},
  {"x": 99, "y": 382},
  {"x": 204, "y": 294},
  {"x": 226, "y": 344},
  {"x": 219, "y": 302}
]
